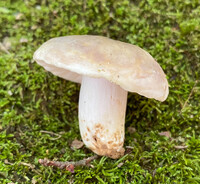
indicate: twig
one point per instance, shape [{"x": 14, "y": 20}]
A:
[
  {"x": 184, "y": 105},
  {"x": 51, "y": 133},
  {"x": 67, "y": 165},
  {"x": 30, "y": 166},
  {"x": 27, "y": 164},
  {"x": 24, "y": 164},
  {"x": 129, "y": 147}
]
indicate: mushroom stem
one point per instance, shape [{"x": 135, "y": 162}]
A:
[{"x": 102, "y": 108}]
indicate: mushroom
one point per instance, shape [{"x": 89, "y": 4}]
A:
[{"x": 107, "y": 69}]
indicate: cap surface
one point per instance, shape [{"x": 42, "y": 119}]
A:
[{"x": 124, "y": 64}]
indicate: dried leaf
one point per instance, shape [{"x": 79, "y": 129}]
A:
[
  {"x": 76, "y": 144},
  {"x": 181, "y": 147},
  {"x": 33, "y": 181},
  {"x": 18, "y": 16},
  {"x": 7, "y": 43},
  {"x": 10, "y": 93},
  {"x": 34, "y": 27},
  {"x": 120, "y": 164},
  {"x": 166, "y": 134},
  {"x": 70, "y": 168},
  {"x": 181, "y": 139},
  {"x": 131, "y": 130},
  {"x": 23, "y": 40}
]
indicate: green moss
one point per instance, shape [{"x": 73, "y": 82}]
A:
[{"x": 32, "y": 100}]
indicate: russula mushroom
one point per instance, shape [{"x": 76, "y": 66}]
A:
[{"x": 107, "y": 69}]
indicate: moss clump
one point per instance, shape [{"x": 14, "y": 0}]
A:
[{"x": 32, "y": 100}]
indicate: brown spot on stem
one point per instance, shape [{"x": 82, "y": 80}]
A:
[
  {"x": 99, "y": 126},
  {"x": 95, "y": 138},
  {"x": 88, "y": 129},
  {"x": 104, "y": 146},
  {"x": 115, "y": 145}
]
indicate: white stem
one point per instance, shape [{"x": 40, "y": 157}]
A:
[{"x": 102, "y": 108}]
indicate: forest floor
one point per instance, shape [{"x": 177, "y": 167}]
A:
[{"x": 39, "y": 112}]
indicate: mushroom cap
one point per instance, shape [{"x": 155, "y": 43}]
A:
[{"x": 124, "y": 64}]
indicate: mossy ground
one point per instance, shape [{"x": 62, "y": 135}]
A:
[{"x": 32, "y": 100}]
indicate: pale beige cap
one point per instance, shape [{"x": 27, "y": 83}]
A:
[{"x": 124, "y": 64}]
